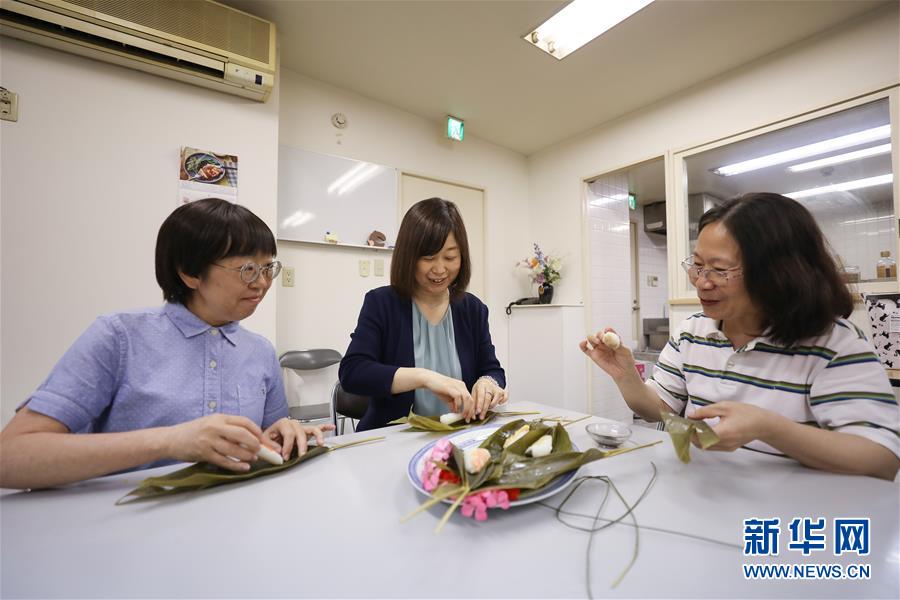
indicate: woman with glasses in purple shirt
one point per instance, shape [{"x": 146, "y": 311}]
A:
[{"x": 181, "y": 382}]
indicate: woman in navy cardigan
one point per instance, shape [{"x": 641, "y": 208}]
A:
[{"x": 423, "y": 339}]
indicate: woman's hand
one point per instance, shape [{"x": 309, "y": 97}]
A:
[
  {"x": 452, "y": 391},
  {"x": 739, "y": 423},
  {"x": 228, "y": 441},
  {"x": 486, "y": 395},
  {"x": 284, "y": 433},
  {"x": 618, "y": 363}
]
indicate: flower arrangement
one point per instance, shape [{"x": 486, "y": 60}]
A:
[
  {"x": 544, "y": 268},
  {"x": 515, "y": 461}
]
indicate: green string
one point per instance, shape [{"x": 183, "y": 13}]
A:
[{"x": 596, "y": 519}]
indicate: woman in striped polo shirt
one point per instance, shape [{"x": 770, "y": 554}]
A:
[{"x": 772, "y": 356}]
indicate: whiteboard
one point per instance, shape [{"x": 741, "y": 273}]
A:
[{"x": 319, "y": 193}]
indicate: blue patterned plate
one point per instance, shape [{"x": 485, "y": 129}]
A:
[{"x": 470, "y": 438}]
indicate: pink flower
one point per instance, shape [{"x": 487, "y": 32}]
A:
[
  {"x": 476, "y": 505},
  {"x": 431, "y": 473}
]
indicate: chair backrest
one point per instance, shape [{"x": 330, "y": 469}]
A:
[
  {"x": 310, "y": 360},
  {"x": 307, "y": 380},
  {"x": 348, "y": 405}
]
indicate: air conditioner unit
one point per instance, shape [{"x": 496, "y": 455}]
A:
[{"x": 196, "y": 41}]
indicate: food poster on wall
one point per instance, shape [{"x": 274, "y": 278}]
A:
[{"x": 204, "y": 174}]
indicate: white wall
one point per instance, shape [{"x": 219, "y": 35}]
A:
[
  {"x": 856, "y": 59},
  {"x": 89, "y": 172},
  {"x": 322, "y": 309}
]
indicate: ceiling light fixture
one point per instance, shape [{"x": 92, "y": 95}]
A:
[
  {"x": 845, "y": 141},
  {"x": 856, "y": 184},
  {"x": 841, "y": 158},
  {"x": 580, "y": 22}
]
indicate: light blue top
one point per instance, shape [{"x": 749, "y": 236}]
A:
[
  {"x": 161, "y": 366},
  {"x": 434, "y": 347}
]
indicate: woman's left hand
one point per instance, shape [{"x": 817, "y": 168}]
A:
[
  {"x": 738, "y": 424},
  {"x": 487, "y": 394},
  {"x": 286, "y": 432}
]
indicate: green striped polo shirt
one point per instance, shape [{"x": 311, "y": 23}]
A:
[{"x": 833, "y": 381}]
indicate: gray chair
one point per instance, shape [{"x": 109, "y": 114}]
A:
[
  {"x": 310, "y": 360},
  {"x": 345, "y": 405}
]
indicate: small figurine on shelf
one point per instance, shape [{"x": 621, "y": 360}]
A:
[
  {"x": 376, "y": 239},
  {"x": 331, "y": 238}
]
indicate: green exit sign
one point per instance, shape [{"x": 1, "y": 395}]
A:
[
  {"x": 455, "y": 128},
  {"x": 632, "y": 201}
]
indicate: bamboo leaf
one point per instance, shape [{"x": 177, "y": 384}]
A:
[
  {"x": 453, "y": 507},
  {"x": 681, "y": 430},
  {"x": 494, "y": 442},
  {"x": 561, "y": 440},
  {"x": 536, "y": 430},
  {"x": 433, "y": 423},
  {"x": 201, "y": 476}
]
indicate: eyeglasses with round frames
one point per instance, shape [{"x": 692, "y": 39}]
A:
[
  {"x": 251, "y": 271},
  {"x": 719, "y": 277}
]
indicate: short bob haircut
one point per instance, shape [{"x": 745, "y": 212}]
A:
[
  {"x": 788, "y": 270},
  {"x": 200, "y": 233},
  {"x": 423, "y": 232}
]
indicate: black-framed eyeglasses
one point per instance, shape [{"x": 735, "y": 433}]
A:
[
  {"x": 714, "y": 276},
  {"x": 251, "y": 271}
]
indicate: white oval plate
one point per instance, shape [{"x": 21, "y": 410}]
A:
[{"x": 470, "y": 438}]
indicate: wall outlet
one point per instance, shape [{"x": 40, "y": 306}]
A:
[
  {"x": 652, "y": 281},
  {"x": 364, "y": 268},
  {"x": 9, "y": 105},
  {"x": 287, "y": 277},
  {"x": 379, "y": 267}
]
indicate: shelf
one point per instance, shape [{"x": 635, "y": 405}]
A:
[
  {"x": 551, "y": 305},
  {"x": 338, "y": 245}
]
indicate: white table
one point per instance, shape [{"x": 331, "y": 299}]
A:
[{"x": 330, "y": 528}]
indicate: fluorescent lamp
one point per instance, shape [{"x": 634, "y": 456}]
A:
[
  {"x": 843, "y": 187},
  {"x": 845, "y": 141},
  {"x": 841, "y": 158},
  {"x": 580, "y": 22},
  {"x": 867, "y": 220}
]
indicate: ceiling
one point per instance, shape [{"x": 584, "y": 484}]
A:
[{"x": 468, "y": 58}]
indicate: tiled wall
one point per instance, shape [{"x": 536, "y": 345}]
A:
[
  {"x": 610, "y": 276},
  {"x": 857, "y": 230}
]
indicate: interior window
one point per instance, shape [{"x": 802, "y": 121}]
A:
[{"x": 838, "y": 166}]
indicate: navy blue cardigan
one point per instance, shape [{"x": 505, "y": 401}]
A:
[{"x": 383, "y": 342}]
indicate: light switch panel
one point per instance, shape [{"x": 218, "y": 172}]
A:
[
  {"x": 364, "y": 268},
  {"x": 287, "y": 277},
  {"x": 9, "y": 105}
]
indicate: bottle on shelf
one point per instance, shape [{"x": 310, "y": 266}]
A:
[{"x": 886, "y": 268}]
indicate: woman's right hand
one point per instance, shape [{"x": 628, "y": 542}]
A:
[
  {"x": 216, "y": 439},
  {"x": 452, "y": 391},
  {"x": 618, "y": 363}
]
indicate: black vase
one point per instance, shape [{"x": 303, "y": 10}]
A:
[{"x": 545, "y": 293}]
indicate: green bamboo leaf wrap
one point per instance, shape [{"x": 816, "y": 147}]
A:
[
  {"x": 534, "y": 473},
  {"x": 433, "y": 423},
  {"x": 201, "y": 476},
  {"x": 681, "y": 430},
  {"x": 494, "y": 442}
]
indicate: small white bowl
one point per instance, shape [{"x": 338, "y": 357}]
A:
[{"x": 610, "y": 435}]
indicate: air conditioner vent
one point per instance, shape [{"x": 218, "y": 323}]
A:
[
  {"x": 101, "y": 42},
  {"x": 204, "y": 23},
  {"x": 195, "y": 41}
]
